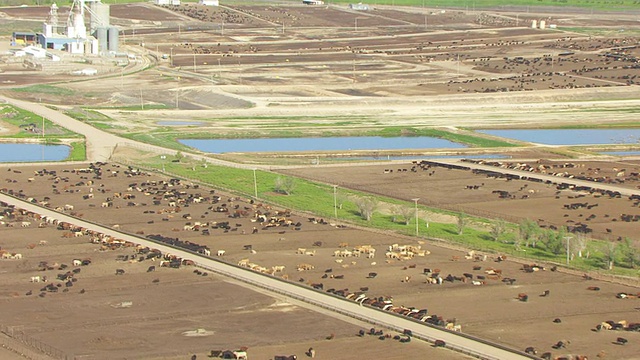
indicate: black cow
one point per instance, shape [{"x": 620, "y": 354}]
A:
[
  {"x": 285, "y": 357},
  {"x": 621, "y": 341},
  {"x": 119, "y": 271},
  {"x": 560, "y": 344}
]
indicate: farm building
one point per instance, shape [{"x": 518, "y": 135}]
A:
[
  {"x": 167, "y": 2},
  {"x": 209, "y": 2},
  {"x": 359, "y": 7},
  {"x": 313, "y": 2},
  {"x": 23, "y": 38}
]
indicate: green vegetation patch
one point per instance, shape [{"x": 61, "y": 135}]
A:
[
  {"x": 45, "y": 89},
  {"x": 31, "y": 125},
  {"x": 78, "y": 151}
]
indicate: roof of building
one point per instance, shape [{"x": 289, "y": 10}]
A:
[{"x": 24, "y": 33}]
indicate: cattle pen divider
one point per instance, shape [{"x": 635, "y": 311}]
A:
[
  {"x": 17, "y": 333},
  {"x": 489, "y": 350}
]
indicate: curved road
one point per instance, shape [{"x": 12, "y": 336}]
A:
[
  {"x": 459, "y": 342},
  {"x": 101, "y": 144}
]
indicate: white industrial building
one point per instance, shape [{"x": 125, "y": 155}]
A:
[
  {"x": 166, "y": 2},
  {"x": 209, "y": 2},
  {"x": 73, "y": 35}
]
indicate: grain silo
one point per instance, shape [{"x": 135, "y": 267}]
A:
[
  {"x": 534, "y": 24},
  {"x": 113, "y": 38},
  {"x": 101, "y": 35},
  {"x": 99, "y": 15},
  {"x": 543, "y": 24}
]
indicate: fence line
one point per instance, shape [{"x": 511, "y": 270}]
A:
[{"x": 17, "y": 333}]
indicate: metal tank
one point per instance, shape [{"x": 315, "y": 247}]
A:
[
  {"x": 99, "y": 16},
  {"x": 101, "y": 35},
  {"x": 113, "y": 35}
]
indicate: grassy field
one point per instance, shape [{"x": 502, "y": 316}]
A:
[{"x": 31, "y": 125}]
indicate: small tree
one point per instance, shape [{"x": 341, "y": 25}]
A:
[
  {"x": 406, "y": 212},
  {"x": 553, "y": 241},
  {"x": 610, "y": 253},
  {"x": 179, "y": 156},
  {"x": 579, "y": 244},
  {"x": 284, "y": 185},
  {"x": 498, "y": 228},
  {"x": 629, "y": 253},
  {"x": 462, "y": 222},
  {"x": 366, "y": 206},
  {"x": 528, "y": 231}
]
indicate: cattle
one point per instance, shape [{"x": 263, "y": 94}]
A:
[
  {"x": 120, "y": 271},
  {"x": 561, "y": 344},
  {"x": 151, "y": 268},
  {"x": 545, "y": 293},
  {"x": 285, "y": 357},
  {"x": 36, "y": 279},
  {"x": 523, "y": 297},
  {"x": 311, "y": 353},
  {"x": 531, "y": 350},
  {"x": 221, "y": 252},
  {"x": 621, "y": 341},
  {"x": 439, "y": 343}
]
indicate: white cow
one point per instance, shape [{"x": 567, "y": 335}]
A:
[
  {"x": 221, "y": 252},
  {"x": 77, "y": 262},
  {"x": 36, "y": 279}
]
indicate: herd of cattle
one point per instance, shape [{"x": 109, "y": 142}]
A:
[
  {"x": 575, "y": 224},
  {"x": 481, "y": 272}
]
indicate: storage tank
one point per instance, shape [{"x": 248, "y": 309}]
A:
[
  {"x": 534, "y": 24},
  {"x": 113, "y": 35},
  {"x": 101, "y": 35},
  {"x": 543, "y": 24},
  {"x": 99, "y": 15}
]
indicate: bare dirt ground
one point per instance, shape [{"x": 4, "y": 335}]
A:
[
  {"x": 181, "y": 301},
  {"x": 604, "y": 217},
  {"x": 463, "y": 69},
  {"x": 386, "y": 54},
  {"x": 167, "y": 302}
]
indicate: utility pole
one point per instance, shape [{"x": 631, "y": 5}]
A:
[
  {"x": 568, "y": 239},
  {"x": 416, "y": 202},
  {"x": 335, "y": 202},
  {"x": 255, "y": 184}
]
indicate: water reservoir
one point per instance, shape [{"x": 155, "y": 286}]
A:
[
  {"x": 11, "y": 152},
  {"x": 319, "y": 144}
]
